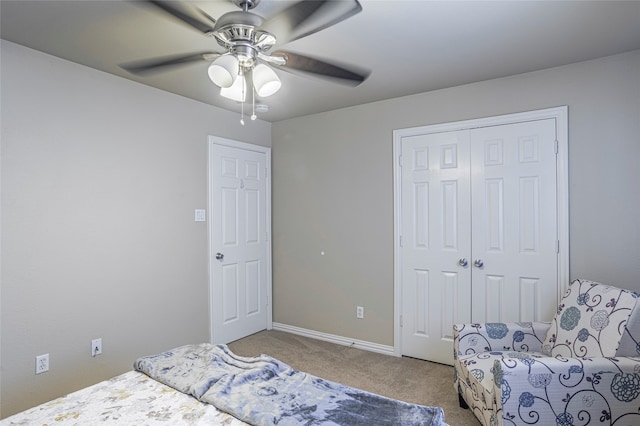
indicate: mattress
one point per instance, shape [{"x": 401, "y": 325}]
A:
[{"x": 132, "y": 398}]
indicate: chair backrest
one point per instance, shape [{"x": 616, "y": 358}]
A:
[
  {"x": 589, "y": 321},
  {"x": 630, "y": 341}
]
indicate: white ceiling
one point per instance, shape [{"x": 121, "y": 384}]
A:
[{"x": 409, "y": 46}]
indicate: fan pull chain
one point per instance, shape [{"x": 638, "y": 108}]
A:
[
  {"x": 253, "y": 102},
  {"x": 243, "y": 95}
]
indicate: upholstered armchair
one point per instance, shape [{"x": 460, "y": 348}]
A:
[{"x": 582, "y": 368}]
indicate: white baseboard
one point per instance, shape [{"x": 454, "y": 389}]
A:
[{"x": 339, "y": 340}]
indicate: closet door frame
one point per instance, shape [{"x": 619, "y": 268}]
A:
[{"x": 560, "y": 115}]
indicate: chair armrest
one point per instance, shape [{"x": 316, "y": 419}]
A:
[
  {"x": 564, "y": 390},
  {"x": 486, "y": 337}
]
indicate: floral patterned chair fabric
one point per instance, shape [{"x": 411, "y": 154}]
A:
[
  {"x": 513, "y": 374},
  {"x": 588, "y": 321}
]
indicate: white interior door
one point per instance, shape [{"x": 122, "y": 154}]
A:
[
  {"x": 239, "y": 241},
  {"x": 514, "y": 222},
  {"x": 479, "y": 215},
  {"x": 436, "y": 243}
]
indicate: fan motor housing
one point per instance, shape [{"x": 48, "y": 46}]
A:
[
  {"x": 229, "y": 35},
  {"x": 235, "y": 28}
]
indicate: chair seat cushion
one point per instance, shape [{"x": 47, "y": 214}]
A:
[{"x": 561, "y": 391}]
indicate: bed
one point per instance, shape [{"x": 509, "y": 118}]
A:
[
  {"x": 208, "y": 384},
  {"x": 132, "y": 398}
]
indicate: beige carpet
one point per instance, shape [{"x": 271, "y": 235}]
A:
[{"x": 406, "y": 379}]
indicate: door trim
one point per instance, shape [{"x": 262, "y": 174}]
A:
[
  {"x": 560, "y": 114},
  {"x": 215, "y": 140}
]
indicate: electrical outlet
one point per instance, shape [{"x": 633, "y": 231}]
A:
[
  {"x": 359, "y": 312},
  {"x": 96, "y": 347},
  {"x": 42, "y": 363}
]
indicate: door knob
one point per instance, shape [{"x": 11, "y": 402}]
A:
[
  {"x": 478, "y": 263},
  {"x": 219, "y": 256},
  {"x": 463, "y": 262}
]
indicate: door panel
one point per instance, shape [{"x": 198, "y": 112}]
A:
[
  {"x": 230, "y": 293},
  {"x": 514, "y": 222},
  {"x": 436, "y": 225},
  {"x": 238, "y": 232}
]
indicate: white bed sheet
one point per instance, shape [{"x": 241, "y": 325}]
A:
[{"x": 132, "y": 398}]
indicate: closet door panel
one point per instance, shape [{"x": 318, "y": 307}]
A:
[
  {"x": 436, "y": 290},
  {"x": 514, "y": 229}
]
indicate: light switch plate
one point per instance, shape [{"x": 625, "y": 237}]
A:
[{"x": 201, "y": 215}]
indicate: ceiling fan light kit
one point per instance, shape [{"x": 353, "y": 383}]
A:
[
  {"x": 224, "y": 70},
  {"x": 247, "y": 38},
  {"x": 237, "y": 91},
  {"x": 265, "y": 81}
]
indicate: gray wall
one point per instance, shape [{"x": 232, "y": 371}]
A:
[
  {"x": 333, "y": 177},
  {"x": 100, "y": 179}
]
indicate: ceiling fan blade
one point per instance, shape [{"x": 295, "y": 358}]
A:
[
  {"x": 155, "y": 65},
  {"x": 349, "y": 75},
  {"x": 209, "y": 17},
  {"x": 308, "y": 17},
  {"x": 179, "y": 12}
]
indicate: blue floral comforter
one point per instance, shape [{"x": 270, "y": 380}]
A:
[{"x": 265, "y": 391}]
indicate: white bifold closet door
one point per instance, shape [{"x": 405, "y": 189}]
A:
[{"x": 479, "y": 231}]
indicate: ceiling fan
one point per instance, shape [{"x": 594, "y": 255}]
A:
[{"x": 245, "y": 61}]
